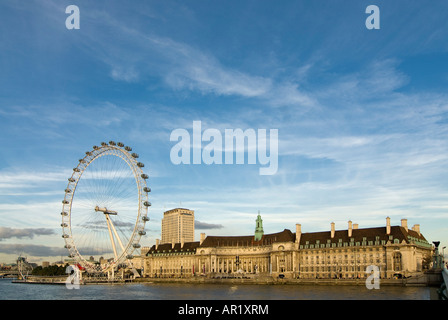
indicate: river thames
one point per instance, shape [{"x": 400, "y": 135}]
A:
[{"x": 182, "y": 291}]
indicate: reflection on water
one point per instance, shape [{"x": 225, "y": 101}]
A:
[{"x": 172, "y": 291}]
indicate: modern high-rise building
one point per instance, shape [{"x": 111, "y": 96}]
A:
[{"x": 178, "y": 226}]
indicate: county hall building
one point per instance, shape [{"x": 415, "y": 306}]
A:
[{"x": 396, "y": 250}]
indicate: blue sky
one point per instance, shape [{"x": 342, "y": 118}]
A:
[{"x": 361, "y": 114}]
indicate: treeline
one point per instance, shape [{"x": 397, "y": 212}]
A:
[{"x": 49, "y": 271}]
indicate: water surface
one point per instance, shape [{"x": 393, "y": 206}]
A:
[{"x": 182, "y": 291}]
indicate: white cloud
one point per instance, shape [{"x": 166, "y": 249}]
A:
[{"x": 128, "y": 75}]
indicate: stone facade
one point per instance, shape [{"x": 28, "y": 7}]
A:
[{"x": 395, "y": 250}]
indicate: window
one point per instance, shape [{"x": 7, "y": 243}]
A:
[{"x": 397, "y": 261}]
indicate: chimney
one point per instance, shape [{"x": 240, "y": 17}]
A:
[
  {"x": 172, "y": 243},
  {"x": 202, "y": 238},
  {"x": 387, "y": 225},
  {"x": 355, "y": 226},
  {"x": 404, "y": 224},
  {"x": 157, "y": 243},
  {"x": 349, "y": 228},
  {"x": 332, "y": 230},
  {"x": 416, "y": 228},
  {"x": 182, "y": 242},
  {"x": 298, "y": 232}
]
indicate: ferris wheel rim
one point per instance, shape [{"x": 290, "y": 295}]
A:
[{"x": 123, "y": 152}]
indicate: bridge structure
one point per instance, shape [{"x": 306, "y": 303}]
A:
[{"x": 9, "y": 273}]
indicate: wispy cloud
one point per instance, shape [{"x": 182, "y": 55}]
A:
[
  {"x": 133, "y": 56},
  {"x": 7, "y": 233},
  {"x": 204, "y": 225},
  {"x": 62, "y": 112},
  {"x": 22, "y": 182},
  {"x": 33, "y": 250}
]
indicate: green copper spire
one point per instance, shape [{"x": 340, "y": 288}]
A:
[{"x": 258, "y": 228}]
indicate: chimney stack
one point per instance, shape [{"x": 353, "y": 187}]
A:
[
  {"x": 349, "y": 228},
  {"x": 202, "y": 238},
  {"x": 182, "y": 242},
  {"x": 157, "y": 243},
  {"x": 298, "y": 232},
  {"x": 355, "y": 226},
  {"x": 416, "y": 228},
  {"x": 332, "y": 230},
  {"x": 404, "y": 224},
  {"x": 387, "y": 225}
]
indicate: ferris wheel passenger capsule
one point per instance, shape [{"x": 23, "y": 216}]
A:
[
  {"x": 127, "y": 148},
  {"x": 120, "y": 144},
  {"x": 145, "y": 176},
  {"x": 147, "y": 204},
  {"x": 147, "y": 189}
]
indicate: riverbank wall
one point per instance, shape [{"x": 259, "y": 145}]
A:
[{"x": 433, "y": 279}]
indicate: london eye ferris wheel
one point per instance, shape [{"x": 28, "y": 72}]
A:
[{"x": 105, "y": 207}]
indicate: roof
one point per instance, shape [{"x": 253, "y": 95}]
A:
[
  {"x": 359, "y": 235},
  {"x": 168, "y": 247},
  {"x": 234, "y": 241}
]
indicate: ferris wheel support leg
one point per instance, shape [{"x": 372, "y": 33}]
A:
[
  {"x": 110, "y": 235},
  {"x": 116, "y": 234}
]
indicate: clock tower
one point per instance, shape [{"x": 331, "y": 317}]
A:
[{"x": 258, "y": 228}]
